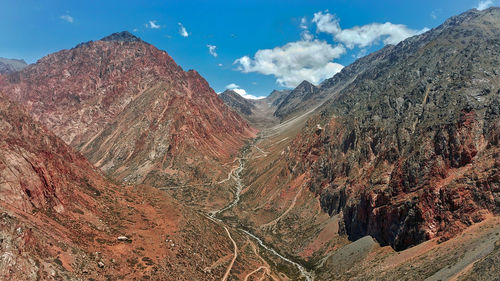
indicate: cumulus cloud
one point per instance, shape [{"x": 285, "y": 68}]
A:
[
  {"x": 310, "y": 60},
  {"x": 242, "y": 92},
  {"x": 366, "y": 35},
  {"x": 326, "y": 22},
  {"x": 182, "y": 30},
  {"x": 483, "y": 5},
  {"x": 67, "y": 18},
  {"x": 362, "y": 36},
  {"x": 212, "y": 50},
  {"x": 152, "y": 24}
]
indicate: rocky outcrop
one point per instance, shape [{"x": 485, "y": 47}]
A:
[
  {"x": 131, "y": 110},
  {"x": 11, "y": 65},
  {"x": 408, "y": 150}
]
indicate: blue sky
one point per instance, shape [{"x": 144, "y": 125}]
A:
[{"x": 260, "y": 45}]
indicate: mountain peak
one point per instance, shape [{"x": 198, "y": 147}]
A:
[
  {"x": 11, "y": 65},
  {"x": 229, "y": 92},
  {"x": 123, "y": 36},
  {"x": 305, "y": 85}
]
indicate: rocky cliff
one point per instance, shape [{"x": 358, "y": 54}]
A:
[{"x": 409, "y": 150}]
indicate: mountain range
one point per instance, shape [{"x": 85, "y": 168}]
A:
[{"x": 116, "y": 164}]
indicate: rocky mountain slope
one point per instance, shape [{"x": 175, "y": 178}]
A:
[
  {"x": 299, "y": 97},
  {"x": 232, "y": 99},
  {"x": 276, "y": 97},
  {"x": 409, "y": 150},
  {"x": 405, "y": 150},
  {"x": 132, "y": 111},
  {"x": 258, "y": 112},
  {"x": 61, "y": 219},
  {"x": 11, "y": 65},
  {"x": 392, "y": 173}
]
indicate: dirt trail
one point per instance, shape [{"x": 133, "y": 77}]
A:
[
  {"x": 235, "y": 174},
  {"x": 273, "y": 222},
  {"x": 228, "y": 270},
  {"x": 255, "y": 271}
]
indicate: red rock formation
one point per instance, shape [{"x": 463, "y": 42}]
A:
[
  {"x": 131, "y": 110},
  {"x": 60, "y": 219}
]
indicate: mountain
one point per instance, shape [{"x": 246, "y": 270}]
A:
[
  {"x": 61, "y": 219},
  {"x": 296, "y": 100},
  {"x": 276, "y": 97},
  {"x": 258, "y": 112},
  {"x": 307, "y": 97},
  {"x": 232, "y": 99},
  {"x": 405, "y": 150},
  {"x": 387, "y": 171},
  {"x": 132, "y": 111},
  {"x": 11, "y": 65}
]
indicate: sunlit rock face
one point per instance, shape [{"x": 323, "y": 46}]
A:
[{"x": 131, "y": 110}]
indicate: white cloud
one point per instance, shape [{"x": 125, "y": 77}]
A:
[
  {"x": 362, "y": 36},
  {"x": 310, "y": 60},
  {"x": 153, "y": 25},
  {"x": 232, "y": 86},
  {"x": 220, "y": 64},
  {"x": 423, "y": 30},
  {"x": 67, "y": 18},
  {"x": 360, "y": 54},
  {"x": 306, "y": 35},
  {"x": 326, "y": 22},
  {"x": 366, "y": 35},
  {"x": 182, "y": 30},
  {"x": 483, "y": 5},
  {"x": 242, "y": 92},
  {"x": 212, "y": 49},
  {"x": 303, "y": 23}
]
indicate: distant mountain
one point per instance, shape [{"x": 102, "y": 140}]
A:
[
  {"x": 276, "y": 97},
  {"x": 132, "y": 111},
  {"x": 296, "y": 100},
  {"x": 232, "y": 99},
  {"x": 11, "y": 65},
  {"x": 258, "y": 112}
]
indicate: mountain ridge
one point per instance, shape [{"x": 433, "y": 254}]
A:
[{"x": 177, "y": 130}]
